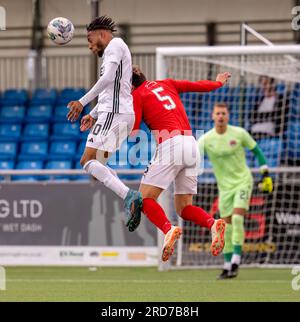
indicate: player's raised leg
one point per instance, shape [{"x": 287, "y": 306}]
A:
[
  {"x": 157, "y": 216},
  {"x": 132, "y": 199},
  {"x": 184, "y": 207}
]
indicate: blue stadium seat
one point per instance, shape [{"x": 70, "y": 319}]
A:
[
  {"x": 42, "y": 96},
  {"x": 204, "y": 124},
  {"x": 15, "y": 97},
  {"x": 280, "y": 88},
  {"x": 293, "y": 140},
  {"x": 12, "y": 114},
  {"x": 84, "y": 135},
  {"x": 35, "y": 132},
  {"x": 34, "y": 151},
  {"x": 6, "y": 165},
  {"x": 272, "y": 150},
  {"x": 221, "y": 94},
  {"x": 39, "y": 114},
  {"x": 295, "y": 103},
  {"x": 65, "y": 131},
  {"x": 59, "y": 165},
  {"x": 8, "y": 150},
  {"x": 62, "y": 150},
  {"x": 60, "y": 113},
  {"x": 28, "y": 165},
  {"x": 83, "y": 177},
  {"x": 252, "y": 96},
  {"x": 191, "y": 101},
  {"x": 209, "y": 98},
  {"x": 70, "y": 94},
  {"x": 80, "y": 149},
  {"x": 10, "y": 132}
]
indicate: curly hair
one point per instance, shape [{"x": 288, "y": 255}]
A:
[{"x": 103, "y": 22}]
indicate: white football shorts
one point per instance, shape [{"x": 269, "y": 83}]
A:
[
  {"x": 176, "y": 160},
  {"x": 109, "y": 131}
]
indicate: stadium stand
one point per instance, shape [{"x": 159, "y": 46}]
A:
[
  {"x": 28, "y": 165},
  {"x": 8, "y": 151},
  {"x": 39, "y": 113},
  {"x": 10, "y": 132},
  {"x": 28, "y": 127}
]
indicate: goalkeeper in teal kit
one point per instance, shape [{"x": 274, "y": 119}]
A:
[{"x": 225, "y": 147}]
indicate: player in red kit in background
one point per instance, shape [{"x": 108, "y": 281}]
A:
[{"x": 176, "y": 158}]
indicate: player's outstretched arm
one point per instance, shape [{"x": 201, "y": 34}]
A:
[
  {"x": 108, "y": 77},
  {"x": 183, "y": 86}
]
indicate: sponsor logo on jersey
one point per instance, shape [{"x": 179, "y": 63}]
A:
[
  {"x": 91, "y": 140},
  {"x": 232, "y": 142}
]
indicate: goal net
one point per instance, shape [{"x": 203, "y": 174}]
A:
[{"x": 263, "y": 96}]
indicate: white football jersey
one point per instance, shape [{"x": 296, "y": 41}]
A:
[{"x": 117, "y": 97}]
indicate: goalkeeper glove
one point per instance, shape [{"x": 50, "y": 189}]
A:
[{"x": 266, "y": 184}]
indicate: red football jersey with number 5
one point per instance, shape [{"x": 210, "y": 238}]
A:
[{"x": 158, "y": 104}]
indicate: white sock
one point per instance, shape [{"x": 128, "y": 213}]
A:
[
  {"x": 227, "y": 266},
  {"x": 236, "y": 259},
  {"x": 107, "y": 177}
]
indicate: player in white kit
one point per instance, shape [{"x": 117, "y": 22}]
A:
[{"x": 113, "y": 117}]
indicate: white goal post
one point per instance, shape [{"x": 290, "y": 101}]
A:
[{"x": 273, "y": 223}]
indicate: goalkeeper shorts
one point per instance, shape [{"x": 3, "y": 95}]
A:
[
  {"x": 235, "y": 198},
  {"x": 176, "y": 161}
]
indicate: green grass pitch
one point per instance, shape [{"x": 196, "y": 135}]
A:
[{"x": 145, "y": 284}]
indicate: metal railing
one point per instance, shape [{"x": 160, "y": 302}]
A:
[{"x": 7, "y": 174}]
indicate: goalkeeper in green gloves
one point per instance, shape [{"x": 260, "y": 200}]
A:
[
  {"x": 225, "y": 147},
  {"x": 266, "y": 184}
]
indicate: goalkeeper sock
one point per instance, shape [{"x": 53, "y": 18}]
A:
[
  {"x": 198, "y": 216},
  {"x": 106, "y": 176},
  {"x": 236, "y": 257},
  {"x": 238, "y": 234},
  {"x": 227, "y": 265},
  {"x": 156, "y": 215},
  {"x": 228, "y": 248}
]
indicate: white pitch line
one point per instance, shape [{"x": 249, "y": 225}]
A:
[{"x": 141, "y": 281}]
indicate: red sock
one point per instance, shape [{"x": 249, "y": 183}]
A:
[
  {"x": 156, "y": 214},
  {"x": 198, "y": 216}
]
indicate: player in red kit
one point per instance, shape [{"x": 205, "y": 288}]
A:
[{"x": 177, "y": 155}]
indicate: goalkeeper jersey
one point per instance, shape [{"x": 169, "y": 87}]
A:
[{"x": 226, "y": 153}]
